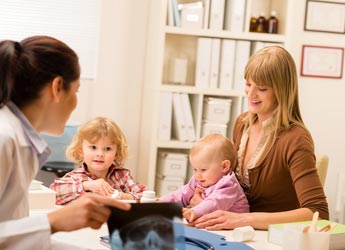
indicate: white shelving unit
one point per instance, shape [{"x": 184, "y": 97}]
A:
[{"x": 166, "y": 42}]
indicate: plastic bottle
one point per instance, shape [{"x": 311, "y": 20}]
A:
[
  {"x": 272, "y": 26},
  {"x": 261, "y": 23},
  {"x": 252, "y": 24},
  {"x": 148, "y": 196}
]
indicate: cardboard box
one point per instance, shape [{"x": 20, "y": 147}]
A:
[{"x": 172, "y": 164}]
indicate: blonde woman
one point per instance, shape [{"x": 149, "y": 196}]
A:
[
  {"x": 276, "y": 161},
  {"x": 101, "y": 149}
]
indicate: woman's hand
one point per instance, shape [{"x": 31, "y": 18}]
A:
[
  {"x": 89, "y": 210},
  {"x": 99, "y": 186},
  {"x": 220, "y": 219},
  {"x": 196, "y": 198}
]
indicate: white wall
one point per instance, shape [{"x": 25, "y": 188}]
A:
[
  {"x": 322, "y": 100},
  {"x": 117, "y": 90}
]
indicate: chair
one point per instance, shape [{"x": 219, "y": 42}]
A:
[
  {"x": 322, "y": 166},
  {"x": 57, "y": 164}
]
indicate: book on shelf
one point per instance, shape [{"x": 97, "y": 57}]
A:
[
  {"x": 214, "y": 65},
  {"x": 227, "y": 61},
  {"x": 206, "y": 13},
  {"x": 241, "y": 59},
  {"x": 165, "y": 116},
  {"x": 176, "y": 13},
  {"x": 337, "y": 234},
  {"x": 179, "y": 122},
  {"x": 217, "y": 14},
  {"x": 235, "y": 15},
  {"x": 170, "y": 15},
  {"x": 188, "y": 117},
  {"x": 203, "y": 61}
]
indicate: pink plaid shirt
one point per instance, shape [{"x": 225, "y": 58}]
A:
[{"x": 69, "y": 187}]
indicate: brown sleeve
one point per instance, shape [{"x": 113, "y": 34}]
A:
[{"x": 301, "y": 164}]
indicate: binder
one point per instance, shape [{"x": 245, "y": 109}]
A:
[
  {"x": 179, "y": 124},
  {"x": 217, "y": 14},
  {"x": 188, "y": 117},
  {"x": 176, "y": 13},
  {"x": 203, "y": 60},
  {"x": 170, "y": 18},
  {"x": 206, "y": 13},
  {"x": 241, "y": 59},
  {"x": 235, "y": 15},
  {"x": 214, "y": 67},
  {"x": 165, "y": 116},
  {"x": 227, "y": 61}
]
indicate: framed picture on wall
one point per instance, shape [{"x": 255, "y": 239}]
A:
[
  {"x": 322, "y": 61},
  {"x": 324, "y": 16}
]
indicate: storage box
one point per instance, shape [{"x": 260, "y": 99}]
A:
[
  {"x": 166, "y": 185},
  {"x": 172, "y": 164},
  {"x": 192, "y": 15},
  {"x": 217, "y": 110},
  {"x": 209, "y": 128},
  {"x": 42, "y": 198}
]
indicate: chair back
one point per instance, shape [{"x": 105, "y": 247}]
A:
[{"x": 322, "y": 166}]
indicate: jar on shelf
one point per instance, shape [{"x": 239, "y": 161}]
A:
[
  {"x": 272, "y": 26},
  {"x": 252, "y": 24},
  {"x": 261, "y": 23}
]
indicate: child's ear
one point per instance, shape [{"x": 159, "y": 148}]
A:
[{"x": 226, "y": 166}]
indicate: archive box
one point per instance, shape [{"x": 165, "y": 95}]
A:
[
  {"x": 217, "y": 110},
  {"x": 172, "y": 164},
  {"x": 209, "y": 128},
  {"x": 167, "y": 184}
]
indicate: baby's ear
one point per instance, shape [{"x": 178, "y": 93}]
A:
[{"x": 226, "y": 166}]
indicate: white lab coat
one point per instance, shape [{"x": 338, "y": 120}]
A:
[{"x": 18, "y": 166}]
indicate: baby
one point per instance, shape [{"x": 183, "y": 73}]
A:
[{"x": 212, "y": 159}]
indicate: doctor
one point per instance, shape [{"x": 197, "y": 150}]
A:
[{"x": 39, "y": 81}]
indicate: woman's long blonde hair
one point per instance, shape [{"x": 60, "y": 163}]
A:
[
  {"x": 92, "y": 131},
  {"x": 273, "y": 66}
]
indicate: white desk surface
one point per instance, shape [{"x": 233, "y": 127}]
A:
[{"x": 88, "y": 238}]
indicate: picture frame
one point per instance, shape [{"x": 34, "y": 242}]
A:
[
  {"x": 322, "y": 16},
  {"x": 322, "y": 61}
]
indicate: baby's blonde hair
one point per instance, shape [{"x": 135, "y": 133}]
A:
[
  {"x": 221, "y": 146},
  {"x": 94, "y": 130}
]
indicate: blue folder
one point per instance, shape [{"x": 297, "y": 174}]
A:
[{"x": 216, "y": 240}]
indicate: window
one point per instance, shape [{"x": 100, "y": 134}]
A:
[{"x": 74, "y": 22}]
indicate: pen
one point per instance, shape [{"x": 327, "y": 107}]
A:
[{"x": 312, "y": 227}]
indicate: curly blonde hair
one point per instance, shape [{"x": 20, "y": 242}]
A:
[{"x": 92, "y": 131}]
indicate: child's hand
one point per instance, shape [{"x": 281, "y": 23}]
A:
[
  {"x": 188, "y": 214},
  {"x": 196, "y": 199},
  {"x": 99, "y": 186},
  {"x": 125, "y": 196}
]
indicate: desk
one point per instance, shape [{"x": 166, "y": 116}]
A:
[{"x": 88, "y": 238}]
